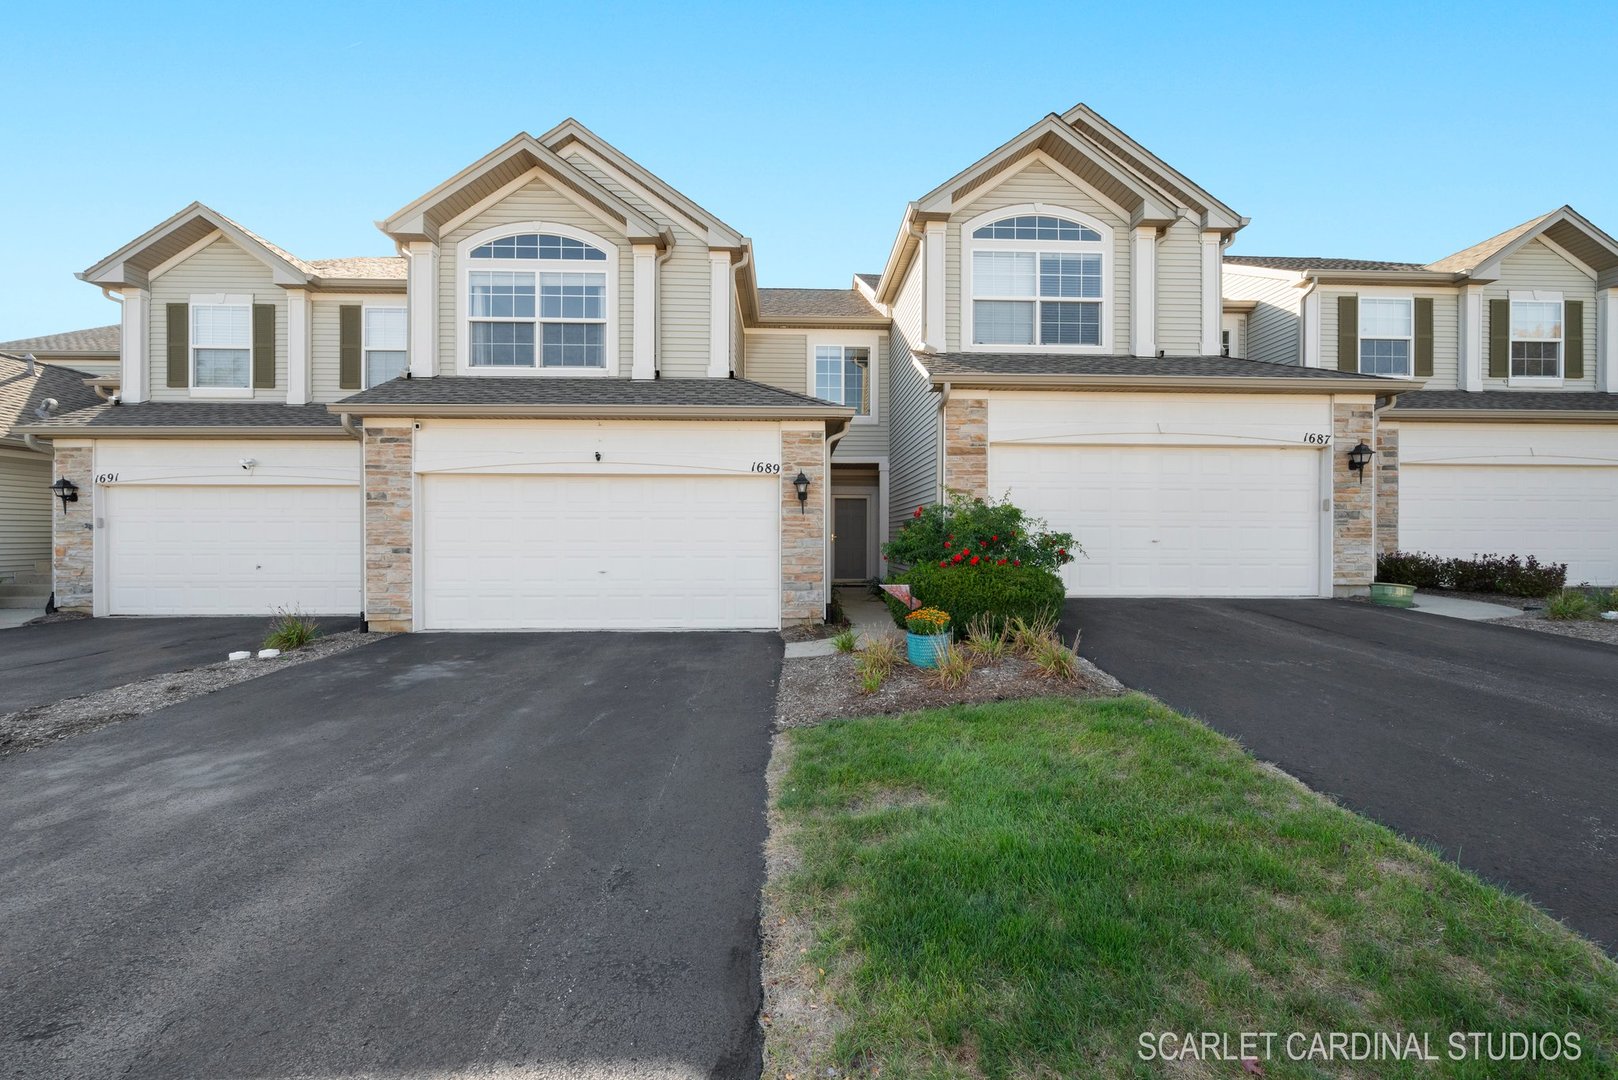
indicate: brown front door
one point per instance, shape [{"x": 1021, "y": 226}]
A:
[{"x": 851, "y": 522}]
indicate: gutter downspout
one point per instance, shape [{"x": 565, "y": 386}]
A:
[
  {"x": 828, "y": 556},
  {"x": 939, "y": 493},
  {"x": 348, "y": 426},
  {"x": 30, "y": 440},
  {"x": 657, "y": 312},
  {"x": 735, "y": 268}
]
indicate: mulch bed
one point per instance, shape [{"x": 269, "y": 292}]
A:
[
  {"x": 819, "y": 688},
  {"x": 29, "y": 729}
]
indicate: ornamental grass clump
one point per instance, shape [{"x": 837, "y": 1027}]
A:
[
  {"x": 290, "y": 629},
  {"x": 877, "y": 662},
  {"x": 846, "y": 641},
  {"x": 1054, "y": 660},
  {"x": 951, "y": 668},
  {"x": 987, "y": 641},
  {"x": 1569, "y": 604}
]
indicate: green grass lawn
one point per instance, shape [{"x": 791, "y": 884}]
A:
[{"x": 1021, "y": 889}]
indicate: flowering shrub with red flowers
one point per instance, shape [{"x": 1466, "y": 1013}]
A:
[{"x": 969, "y": 532}]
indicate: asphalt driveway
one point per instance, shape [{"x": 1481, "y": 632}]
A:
[
  {"x": 1497, "y": 745},
  {"x": 49, "y": 662},
  {"x": 436, "y": 855}
]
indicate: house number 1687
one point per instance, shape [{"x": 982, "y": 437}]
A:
[{"x": 1315, "y": 439}]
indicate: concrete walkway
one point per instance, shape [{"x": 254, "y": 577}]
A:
[
  {"x": 866, "y": 614},
  {"x": 1454, "y": 608}
]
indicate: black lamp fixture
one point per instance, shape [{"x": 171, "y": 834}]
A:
[
  {"x": 66, "y": 490},
  {"x": 801, "y": 482},
  {"x": 1359, "y": 458}
]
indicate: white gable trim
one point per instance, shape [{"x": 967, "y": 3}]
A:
[
  {"x": 169, "y": 264},
  {"x": 1040, "y": 157},
  {"x": 507, "y": 190},
  {"x": 678, "y": 216},
  {"x": 1571, "y": 260}
]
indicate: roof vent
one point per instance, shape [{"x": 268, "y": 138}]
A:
[
  {"x": 47, "y": 408},
  {"x": 33, "y": 367}
]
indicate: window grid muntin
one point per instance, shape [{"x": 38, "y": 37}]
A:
[
  {"x": 222, "y": 346},
  {"x": 1036, "y": 227},
  {"x": 1004, "y": 314},
  {"x": 1538, "y": 328},
  {"x": 383, "y": 339},
  {"x": 1386, "y": 335},
  {"x": 568, "y": 307},
  {"x": 842, "y": 375},
  {"x": 539, "y": 246}
]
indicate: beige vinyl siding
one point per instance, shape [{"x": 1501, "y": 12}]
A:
[
  {"x": 1274, "y": 327},
  {"x": 1446, "y": 328},
  {"x": 779, "y": 359},
  {"x": 221, "y": 267},
  {"x": 325, "y": 334},
  {"x": 1179, "y": 291},
  {"x": 94, "y": 365},
  {"x": 1038, "y": 184},
  {"x": 534, "y": 201},
  {"x": 912, "y": 411},
  {"x": 685, "y": 288},
  {"x": 738, "y": 342},
  {"x": 867, "y": 440},
  {"x": 1535, "y": 266},
  {"x": 26, "y": 506}
]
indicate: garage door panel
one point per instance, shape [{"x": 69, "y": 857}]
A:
[
  {"x": 1175, "y": 521},
  {"x": 242, "y": 550},
  {"x": 620, "y": 552},
  {"x": 1557, "y": 513}
]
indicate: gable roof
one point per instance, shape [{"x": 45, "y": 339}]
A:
[
  {"x": 1284, "y": 262},
  {"x": 817, "y": 306},
  {"x": 95, "y": 341},
  {"x": 421, "y": 218},
  {"x": 23, "y": 393}
]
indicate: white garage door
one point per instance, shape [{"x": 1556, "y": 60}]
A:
[
  {"x": 1175, "y": 521},
  {"x": 510, "y": 552},
  {"x": 1557, "y": 513},
  {"x": 232, "y": 550}
]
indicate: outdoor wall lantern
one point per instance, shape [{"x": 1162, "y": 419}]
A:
[
  {"x": 801, "y": 482},
  {"x": 1358, "y": 458},
  {"x": 66, "y": 490}
]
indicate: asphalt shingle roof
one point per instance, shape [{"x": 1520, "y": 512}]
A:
[
  {"x": 22, "y": 394},
  {"x": 95, "y": 341},
  {"x": 780, "y": 304},
  {"x": 873, "y": 280},
  {"x": 378, "y": 268},
  {"x": 1537, "y": 400},
  {"x": 976, "y": 363},
  {"x": 583, "y": 392},
  {"x": 1301, "y": 263},
  {"x": 179, "y": 414}
]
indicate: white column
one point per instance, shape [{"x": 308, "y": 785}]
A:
[
  {"x": 1607, "y": 340},
  {"x": 1470, "y": 346},
  {"x": 935, "y": 332},
  {"x": 298, "y": 347},
  {"x": 1311, "y": 327},
  {"x": 423, "y": 300},
  {"x": 644, "y": 335},
  {"x": 1213, "y": 305},
  {"x": 719, "y": 306},
  {"x": 133, "y": 354},
  {"x": 1143, "y": 292}
]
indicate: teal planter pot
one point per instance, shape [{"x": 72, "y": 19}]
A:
[
  {"x": 1390, "y": 595},
  {"x": 924, "y": 649}
]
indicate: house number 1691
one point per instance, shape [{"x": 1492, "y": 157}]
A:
[{"x": 766, "y": 467}]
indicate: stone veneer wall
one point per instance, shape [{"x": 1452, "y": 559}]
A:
[
  {"x": 1387, "y": 487},
  {"x": 1353, "y": 542},
  {"x": 966, "y": 446},
  {"x": 389, "y": 524},
  {"x": 803, "y": 528},
  {"x": 72, "y": 533}
]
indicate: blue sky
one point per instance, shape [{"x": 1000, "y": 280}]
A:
[{"x": 1376, "y": 131}]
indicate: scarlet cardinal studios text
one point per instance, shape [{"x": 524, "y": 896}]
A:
[{"x": 1359, "y": 1046}]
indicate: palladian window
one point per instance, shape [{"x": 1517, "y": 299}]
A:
[
  {"x": 534, "y": 300},
  {"x": 1037, "y": 279}
]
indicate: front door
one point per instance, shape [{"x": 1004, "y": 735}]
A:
[{"x": 851, "y": 523}]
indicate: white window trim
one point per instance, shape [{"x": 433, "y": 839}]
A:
[
  {"x": 463, "y": 269},
  {"x": 863, "y": 339},
  {"x": 1361, "y": 337},
  {"x": 366, "y": 307},
  {"x": 971, "y": 245},
  {"x": 195, "y": 300},
  {"x": 1536, "y": 296}
]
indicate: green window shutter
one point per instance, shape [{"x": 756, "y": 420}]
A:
[
  {"x": 1424, "y": 337},
  {"x": 179, "y": 328},
  {"x": 348, "y": 347},
  {"x": 264, "y": 346},
  {"x": 1348, "y": 333},
  {"x": 1499, "y": 339},
  {"x": 1573, "y": 339}
]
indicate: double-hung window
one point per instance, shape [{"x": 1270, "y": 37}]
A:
[
  {"x": 384, "y": 344},
  {"x": 537, "y": 300},
  {"x": 843, "y": 375},
  {"x": 1536, "y": 338},
  {"x": 1037, "y": 279},
  {"x": 1387, "y": 333},
  {"x": 222, "y": 343}
]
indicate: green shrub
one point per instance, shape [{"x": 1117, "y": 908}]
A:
[
  {"x": 846, "y": 641},
  {"x": 1570, "y": 604},
  {"x": 291, "y": 630},
  {"x": 968, "y": 531},
  {"x": 1510, "y": 575},
  {"x": 987, "y": 594}
]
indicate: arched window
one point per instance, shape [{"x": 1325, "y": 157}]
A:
[
  {"x": 1039, "y": 277},
  {"x": 538, "y": 299}
]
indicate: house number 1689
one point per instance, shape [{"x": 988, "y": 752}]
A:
[{"x": 766, "y": 467}]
